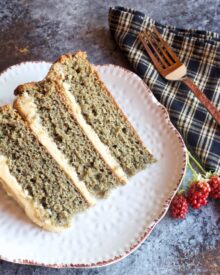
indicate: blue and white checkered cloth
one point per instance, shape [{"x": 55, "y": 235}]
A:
[{"x": 200, "y": 52}]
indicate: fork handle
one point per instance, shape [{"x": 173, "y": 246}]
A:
[{"x": 202, "y": 98}]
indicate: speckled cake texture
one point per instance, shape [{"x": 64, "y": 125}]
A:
[{"x": 37, "y": 30}]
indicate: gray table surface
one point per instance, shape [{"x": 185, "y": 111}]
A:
[{"x": 42, "y": 30}]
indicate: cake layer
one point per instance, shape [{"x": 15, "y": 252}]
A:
[
  {"x": 84, "y": 88},
  {"x": 33, "y": 178},
  {"x": 43, "y": 102}
]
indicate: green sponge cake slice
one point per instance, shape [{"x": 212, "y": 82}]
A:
[
  {"x": 98, "y": 113},
  {"x": 44, "y": 107},
  {"x": 33, "y": 178}
]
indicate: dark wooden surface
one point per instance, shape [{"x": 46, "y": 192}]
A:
[{"x": 42, "y": 30}]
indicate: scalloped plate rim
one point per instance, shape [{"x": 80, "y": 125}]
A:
[{"x": 148, "y": 230}]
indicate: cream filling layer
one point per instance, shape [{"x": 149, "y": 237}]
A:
[
  {"x": 32, "y": 209},
  {"x": 93, "y": 137},
  {"x": 28, "y": 108}
]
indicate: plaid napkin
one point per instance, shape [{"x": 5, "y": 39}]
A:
[{"x": 200, "y": 51}]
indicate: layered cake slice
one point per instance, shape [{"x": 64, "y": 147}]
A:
[
  {"x": 45, "y": 108},
  {"x": 29, "y": 174},
  {"x": 98, "y": 114}
]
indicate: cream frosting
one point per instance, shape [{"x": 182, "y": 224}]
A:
[
  {"x": 93, "y": 137},
  {"x": 28, "y": 108},
  {"x": 32, "y": 209}
]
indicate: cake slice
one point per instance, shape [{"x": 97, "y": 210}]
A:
[
  {"x": 33, "y": 178},
  {"x": 98, "y": 114},
  {"x": 44, "y": 106}
]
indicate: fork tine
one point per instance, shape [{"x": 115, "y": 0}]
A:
[
  {"x": 160, "y": 47},
  {"x": 171, "y": 53},
  {"x": 150, "y": 53},
  {"x": 148, "y": 37}
]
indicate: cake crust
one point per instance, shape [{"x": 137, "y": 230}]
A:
[{"x": 63, "y": 58}]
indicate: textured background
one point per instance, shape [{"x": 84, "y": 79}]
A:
[{"x": 42, "y": 30}]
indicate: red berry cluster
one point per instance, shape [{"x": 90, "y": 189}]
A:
[
  {"x": 214, "y": 183},
  {"x": 179, "y": 206},
  {"x": 197, "y": 196}
]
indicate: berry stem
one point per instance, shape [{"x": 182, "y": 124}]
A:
[
  {"x": 197, "y": 164},
  {"x": 192, "y": 170}
]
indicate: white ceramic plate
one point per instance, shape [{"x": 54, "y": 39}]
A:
[{"x": 118, "y": 225}]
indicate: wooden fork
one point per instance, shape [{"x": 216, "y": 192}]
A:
[{"x": 171, "y": 68}]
